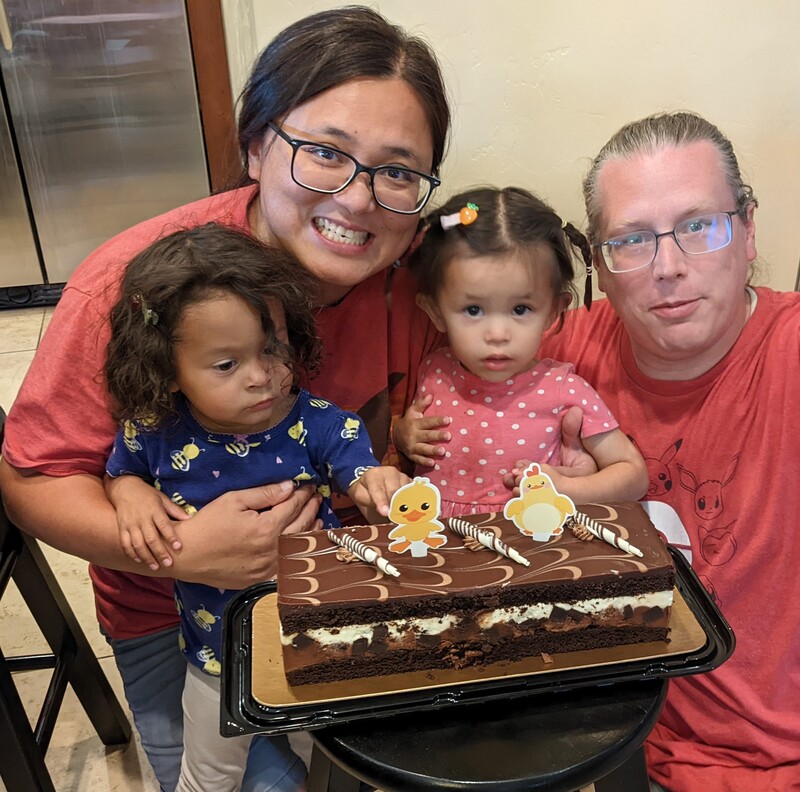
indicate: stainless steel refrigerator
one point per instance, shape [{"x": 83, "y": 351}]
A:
[{"x": 99, "y": 129}]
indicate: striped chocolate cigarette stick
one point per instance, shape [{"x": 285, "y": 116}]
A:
[
  {"x": 363, "y": 551},
  {"x": 487, "y": 539},
  {"x": 601, "y": 532}
]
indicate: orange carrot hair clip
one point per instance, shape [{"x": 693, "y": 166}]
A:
[{"x": 465, "y": 216}]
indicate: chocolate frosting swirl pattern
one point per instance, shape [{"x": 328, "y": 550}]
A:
[{"x": 311, "y": 575}]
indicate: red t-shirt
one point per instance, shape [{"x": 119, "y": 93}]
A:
[
  {"x": 60, "y": 424},
  {"x": 722, "y": 451}
]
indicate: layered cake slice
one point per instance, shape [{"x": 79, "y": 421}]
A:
[{"x": 464, "y": 603}]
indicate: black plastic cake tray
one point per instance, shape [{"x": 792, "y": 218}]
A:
[{"x": 256, "y": 698}]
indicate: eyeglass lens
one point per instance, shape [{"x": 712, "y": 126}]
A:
[
  {"x": 328, "y": 170},
  {"x": 693, "y": 236}
]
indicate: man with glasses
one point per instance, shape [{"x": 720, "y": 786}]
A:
[{"x": 703, "y": 371}]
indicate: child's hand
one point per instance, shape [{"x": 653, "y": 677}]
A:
[
  {"x": 512, "y": 479},
  {"x": 561, "y": 482},
  {"x": 415, "y": 434},
  {"x": 373, "y": 491},
  {"x": 144, "y": 519}
]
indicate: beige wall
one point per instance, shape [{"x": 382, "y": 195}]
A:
[{"x": 538, "y": 87}]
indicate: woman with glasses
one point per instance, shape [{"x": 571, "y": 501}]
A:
[{"x": 342, "y": 130}]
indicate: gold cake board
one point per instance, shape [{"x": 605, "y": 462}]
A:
[{"x": 270, "y": 689}]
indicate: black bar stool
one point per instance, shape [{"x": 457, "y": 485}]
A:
[
  {"x": 557, "y": 742},
  {"x": 23, "y": 768}
]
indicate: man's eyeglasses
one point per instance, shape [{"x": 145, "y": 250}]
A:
[
  {"x": 638, "y": 249},
  {"x": 324, "y": 169}
]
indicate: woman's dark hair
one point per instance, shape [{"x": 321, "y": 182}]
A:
[
  {"x": 332, "y": 47},
  {"x": 182, "y": 269},
  {"x": 509, "y": 220}
]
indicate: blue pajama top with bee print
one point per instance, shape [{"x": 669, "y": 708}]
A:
[{"x": 316, "y": 444}]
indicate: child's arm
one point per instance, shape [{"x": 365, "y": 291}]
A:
[
  {"x": 416, "y": 434},
  {"x": 347, "y": 454},
  {"x": 622, "y": 473},
  {"x": 144, "y": 520},
  {"x": 373, "y": 491}
]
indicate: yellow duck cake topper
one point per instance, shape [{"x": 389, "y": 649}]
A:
[
  {"x": 540, "y": 510},
  {"x": 414, "y": 509}
]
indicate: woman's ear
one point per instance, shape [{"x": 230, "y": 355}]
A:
[
  {"x": 422, "y": 229},
  {"x": 256, "y": 152},
  {"x": 429, "y": 306}
]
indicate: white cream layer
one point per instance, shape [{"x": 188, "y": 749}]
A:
[{"x": 401, "y": 627}]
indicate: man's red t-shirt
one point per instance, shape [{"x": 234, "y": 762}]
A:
[{"x": 723, "y": 452}]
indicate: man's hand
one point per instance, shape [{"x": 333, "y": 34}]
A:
[
  {"x": 416, "y": 435},
  {"x": 575, "y": 459}
]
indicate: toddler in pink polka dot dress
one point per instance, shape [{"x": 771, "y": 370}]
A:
[{"x": 494, "y": 278}]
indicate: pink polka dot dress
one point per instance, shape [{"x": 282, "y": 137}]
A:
[{"x": 497, "y": 423}]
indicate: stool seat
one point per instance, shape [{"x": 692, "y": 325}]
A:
[{"x": 557, "y": 742}]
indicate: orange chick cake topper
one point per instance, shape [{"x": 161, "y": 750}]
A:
[
  {"x": 540, "y": 510},
  {"x": 414, "y": 509}
]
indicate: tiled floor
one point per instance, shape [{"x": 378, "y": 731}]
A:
[{"x": 77, "y": 760}]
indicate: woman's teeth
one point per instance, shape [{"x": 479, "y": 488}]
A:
[{"x": 337, "y": 233}]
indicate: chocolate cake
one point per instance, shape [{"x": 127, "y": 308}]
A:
[{"x": 343, "y": 619}]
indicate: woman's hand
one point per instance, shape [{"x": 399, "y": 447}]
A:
[
  {"x": 233, "y": 541},
  {"x": 416, "y": 434},
  {"x": 373, "y": 492},
  {"x": 144, "y": 520},
  {"x": 230, "y": 543}
]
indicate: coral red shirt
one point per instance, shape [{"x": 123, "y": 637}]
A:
[
  {"x": 723, "y": 452},
  {"x": 60, "y": 424}
]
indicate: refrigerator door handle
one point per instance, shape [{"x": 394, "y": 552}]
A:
[{"x": 5, "y": 28}]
